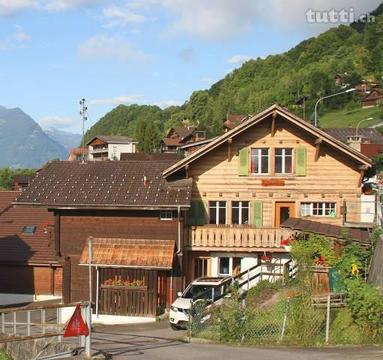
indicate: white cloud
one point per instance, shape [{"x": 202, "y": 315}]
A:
[
  {"x": 111, "y": 47},
  {"x": 223, "y": 19},
  {"x": 8, "y": 7},
  {"x": 238, "y": 59},
  {"x": 123, "y": 99},
  {"x": 21, "y": 36},
  {"x": 56, "y": 121},
  {"x": 121, "y": 16},
  {"x": 62, "y": 5}
]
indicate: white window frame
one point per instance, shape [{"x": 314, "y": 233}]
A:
[
  {"x": 217, "y": 207},
  {"x": 283, "y": 156},
  {"x": 240, "y": 207},
  {"x": 164, "y": 215},
  {"x": 260, "y": 160},
  {"x": 323, "y": 207}
]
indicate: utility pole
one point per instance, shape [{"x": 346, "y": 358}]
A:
[{"x": 83, "y": 113}]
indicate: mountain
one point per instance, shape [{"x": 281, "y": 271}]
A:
[
  {"x": 308, "y": 69},
  {"x": 23, "y": 143},
  {"x": 67, "y": 139}
]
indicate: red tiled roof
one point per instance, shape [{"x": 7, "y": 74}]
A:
[
  {"x": 6, "y": 199},
  {"x": 342, "y": 134},
  {"x": 149, "y": 157},
  {"x": 105, "y": 184},
  {"x": 156, "y": 254},
  {"x": 16, "y": 247}
]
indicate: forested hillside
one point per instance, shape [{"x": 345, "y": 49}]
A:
[{"x": 308, "y": 69}]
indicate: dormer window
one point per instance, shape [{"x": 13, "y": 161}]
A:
[{"x": 29, "y": 229}]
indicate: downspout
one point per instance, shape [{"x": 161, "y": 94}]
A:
[{"x": 171, "y": 290}]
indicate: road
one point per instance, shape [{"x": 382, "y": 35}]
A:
[{"x": 158, "y": 342}]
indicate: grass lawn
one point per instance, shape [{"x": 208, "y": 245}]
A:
[{"x": 350, "y": 118}]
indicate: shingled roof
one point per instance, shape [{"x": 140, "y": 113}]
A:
[
  {"x": 106, "y": 184},
  {"x": 19, "y": 247},
  {"x": 342, "y": 134}
]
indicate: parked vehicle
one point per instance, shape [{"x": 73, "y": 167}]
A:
[{"x": 209, "y": 289}]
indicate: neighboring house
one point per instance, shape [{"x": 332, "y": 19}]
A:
[
  {"x": 369, "y": 141},
  {"x": 233, "y": 121},
  {"x": 193, "y": 146},
  {"x": 78, "y": 154},
  {"x": 136, "y": 219},
  {"x": 28, "y": 262},
  {"x": 250, "y": 180},
  {"x": 179, "y": 136},
  {"x": 374, "y": 98},
  {"x": 20, "y": 182},
  {"x": 110, "y": 147}
]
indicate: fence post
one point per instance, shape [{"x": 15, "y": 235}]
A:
[
  {"x": 3, "y": 323},
  {"x": 14, "y": 322},
  {"x": 190, "y": 321},
  {"x": 28, "y": 323},
  {"x": 88, "y": 339},
  {"x": 284, "y": 321},
  {"x": 248, "y": 279},
  {"x": 328, "y": 318}
]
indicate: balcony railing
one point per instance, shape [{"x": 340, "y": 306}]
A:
[
  {"x": 240, "y": 236},
  {"x": 99, "y": 150}
]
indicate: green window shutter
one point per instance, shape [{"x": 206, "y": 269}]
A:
[
  {"x": 300, "y": 161},
  {"x": 257, "y": 214},
  {"x": 197, "y": 213},
  {"x": 243, "y": 162}
]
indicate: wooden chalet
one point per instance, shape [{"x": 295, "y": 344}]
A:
[
  {"x": 374, "y": 98},
  {"x": 28, "y": 263},
  {"x": 233, "y": 120},
  {"x": 136, "y": 220},
  {"x": 247, "y": 182},
  {"x": 179, "y": 136}
]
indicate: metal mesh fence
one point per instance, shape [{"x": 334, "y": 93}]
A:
[{"x": 287, "y": 321}]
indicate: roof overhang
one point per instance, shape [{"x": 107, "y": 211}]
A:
[
  {"x": 129, "y": 253},
  {"x": 256, "y": 119}
]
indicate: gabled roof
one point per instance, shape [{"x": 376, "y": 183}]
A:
[
  {"x": 112, "y": 139},
  {"x": 183, "y": 131},
  {"x": 18, "y": 247},
  {"x": 106, "y": 185},
  {"x": 233, "y": 120},
  {"x": 174, "y": 157},
  {"x": 130, "y": 253},
  {"x": 342, "y": 134},
  {"x": 274, "y": 109}
]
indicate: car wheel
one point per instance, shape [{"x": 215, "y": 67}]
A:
[{"x": 174, "y": 327}]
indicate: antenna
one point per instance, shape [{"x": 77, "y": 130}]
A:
[{"x": 84, "y": 117}]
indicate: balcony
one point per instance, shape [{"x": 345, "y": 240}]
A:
[
  {"x": 237, "y": 237},
  {"x": 99, "y": 150}
]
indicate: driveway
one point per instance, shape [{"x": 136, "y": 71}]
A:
[{"x": 158, "y": 342}]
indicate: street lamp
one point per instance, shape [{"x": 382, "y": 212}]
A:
[
  {"x": 357, "y": 126},
  {"x": 326, "y": 97}
]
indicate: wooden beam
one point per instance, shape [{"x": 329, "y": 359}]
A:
[
  {"x": 318, "y": 143},
  {"x": 273, "y": 123},
  {"x": 229, "y": 152},
  {"x": 362, "y": 169}
]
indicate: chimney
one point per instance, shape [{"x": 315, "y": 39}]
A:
[
  {"x": 145, "y": 181},
  {"x": 355, "y": 142}
]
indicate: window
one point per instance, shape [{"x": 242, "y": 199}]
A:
[
  {"x": 240, "y": 212},
  {"x": 318, "y": 209},
  {"x": 260, "y": 161},
  {"x": 166, "y": 215},
  {"x": 217, "y": 212},
  {"x": 201, "y": 267},
  {"x": 29, "y": 229},
  {"x": 283, "y": 161},
  {"x": 229, "y": 266},
  {"x": 224, "y": 266}
]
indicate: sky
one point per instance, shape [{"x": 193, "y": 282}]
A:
[{"x": 55, "y": 52}]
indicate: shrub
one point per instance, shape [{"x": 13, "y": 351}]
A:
[
  {"x": 344, "y": 330},
  {"x": 366, "y": 307}
]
